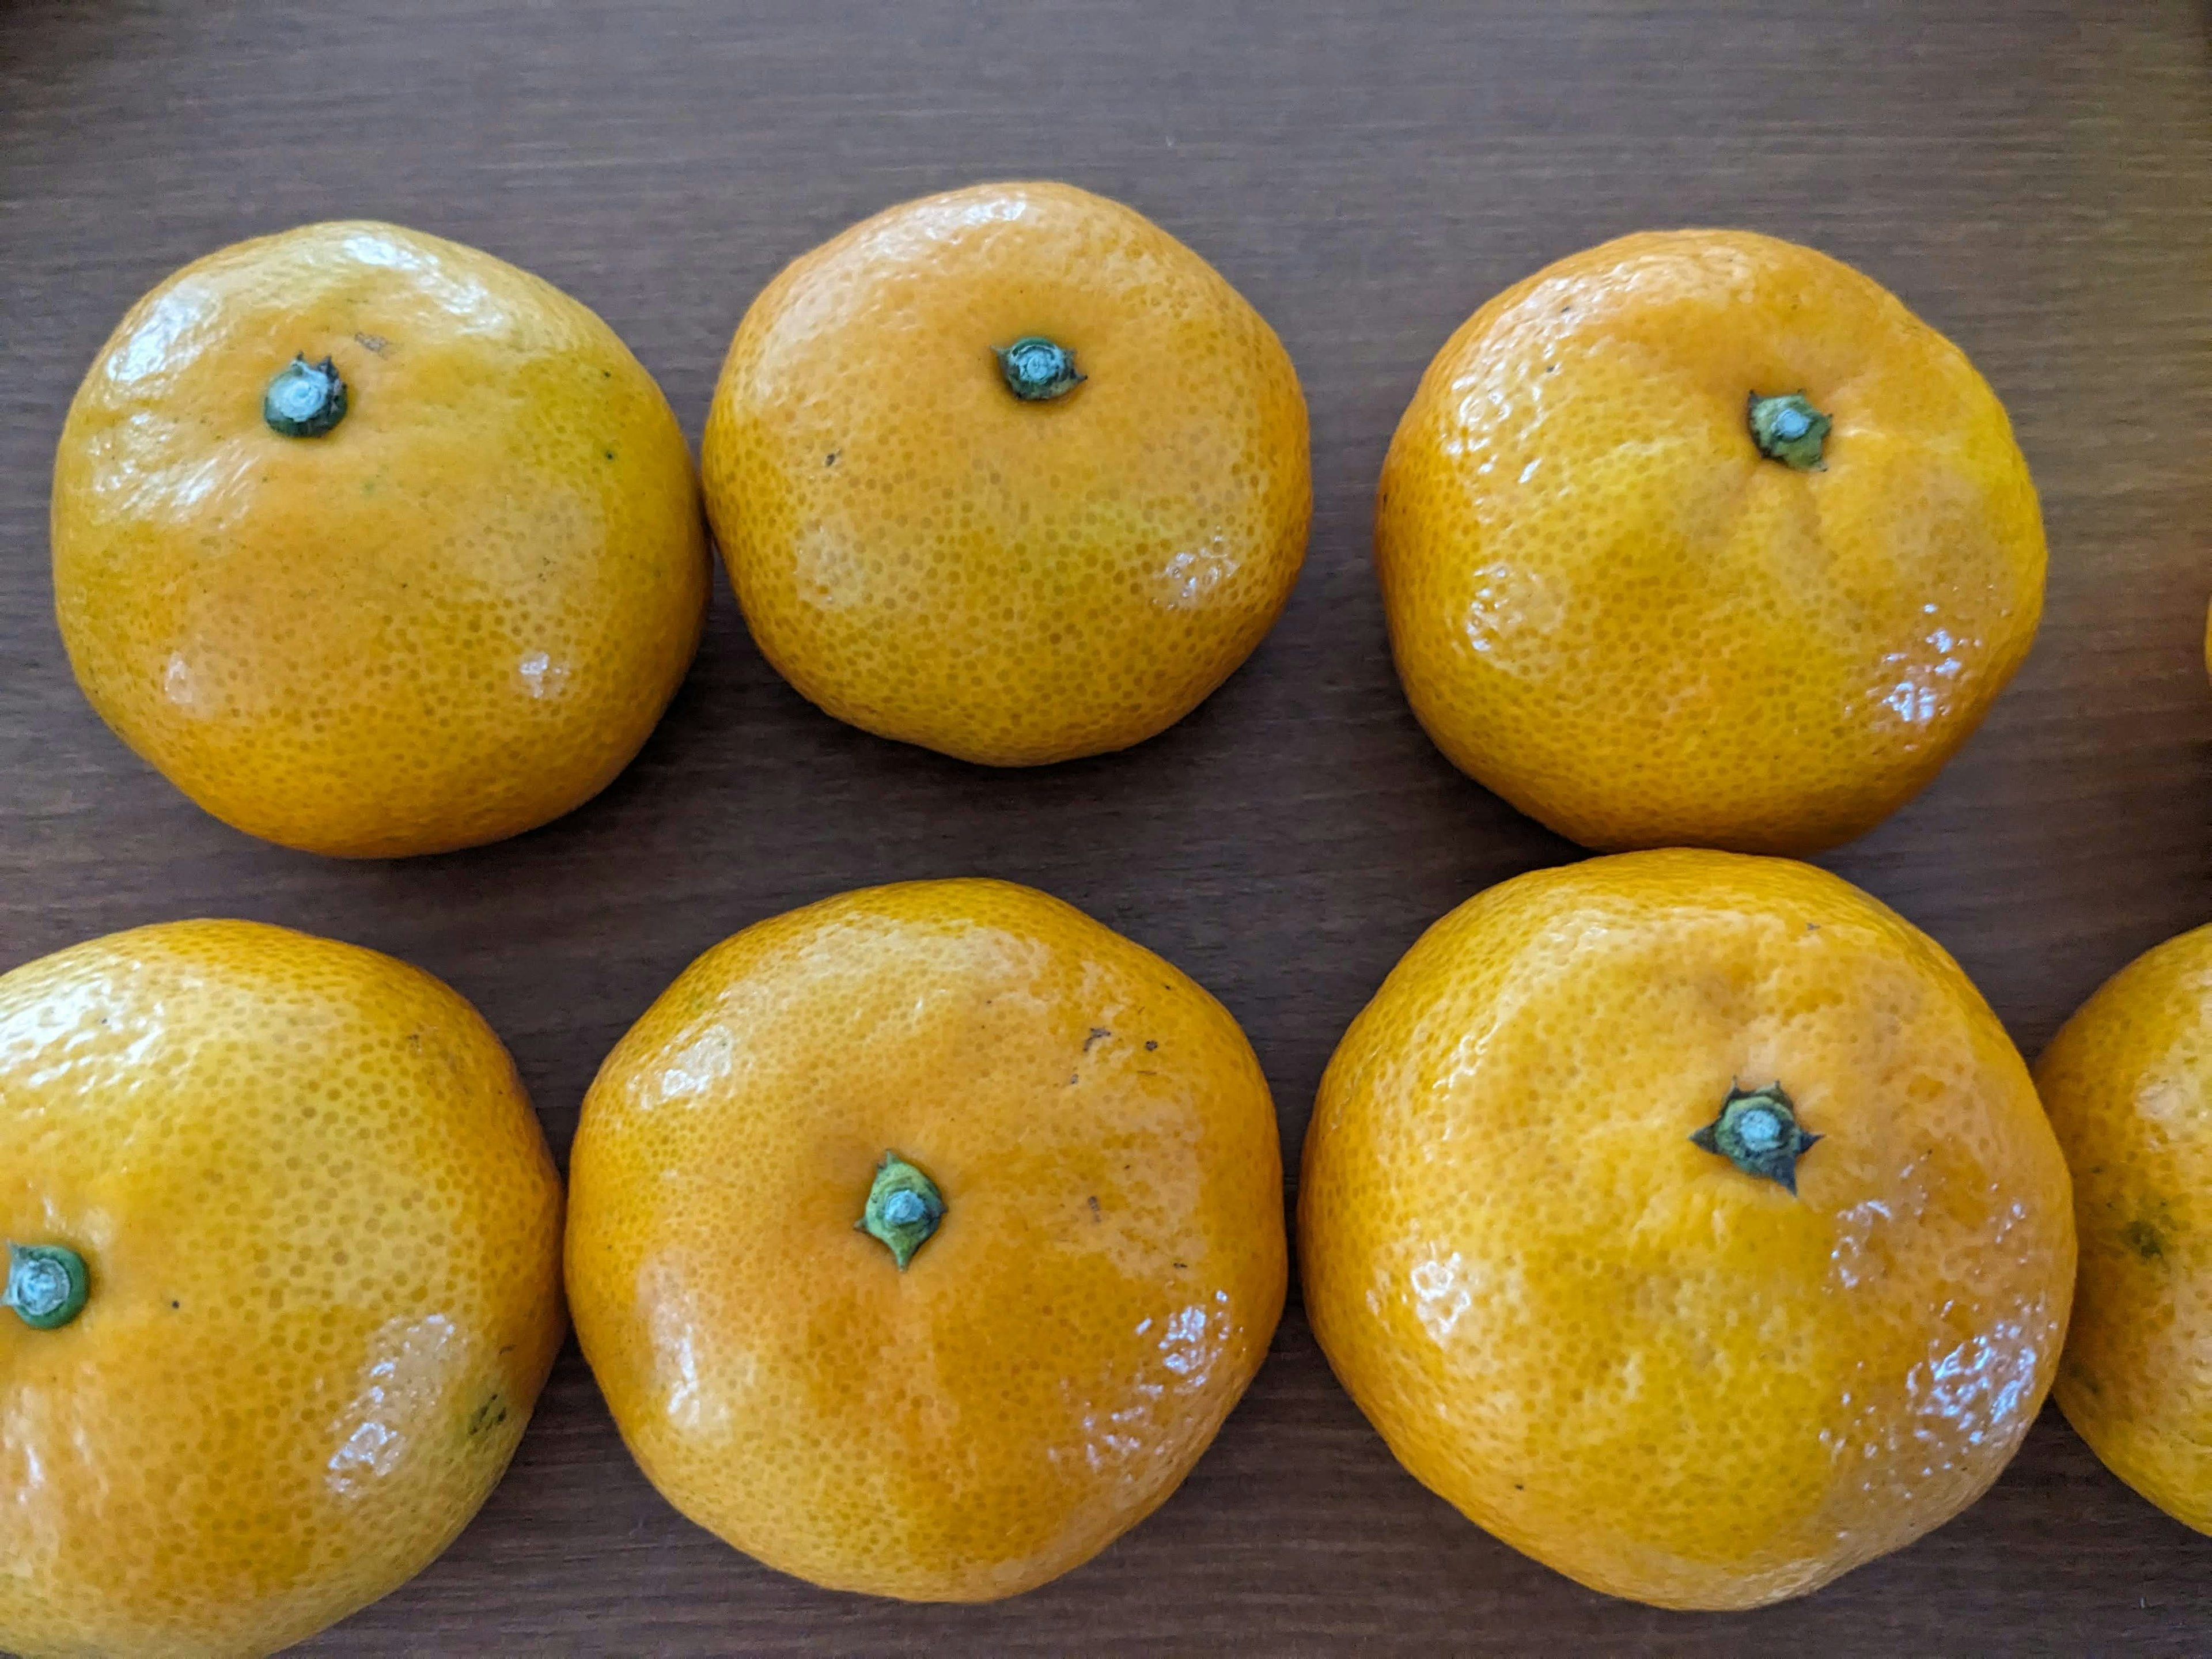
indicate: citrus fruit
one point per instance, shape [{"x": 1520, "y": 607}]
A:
[
  {"x": 922, "y": 1238},
  {"x": 1008, "y": 472},
  {"x": 1701, "y": 537},
  {"x": 2128, "y": 1083},
  {"x": 375, "y": 544},
  {"x": 316, "y": 1232},
  {"x": 1687, "y": 1220}
]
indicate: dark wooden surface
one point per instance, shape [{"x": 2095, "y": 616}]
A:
[{"x": 2034, "y": 177}]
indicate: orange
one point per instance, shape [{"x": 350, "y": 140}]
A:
[
  {"x": 446, "y": 603},
  {"x": 1686, "y": 1220},
  {"x": 1011, "y": 577},
  {"x": 1092, "y": 1237},
  {"x": 319, "y": 1235},
  {"x": 2128, "y": 1083},
  {"x": 1643, "y": 623}
]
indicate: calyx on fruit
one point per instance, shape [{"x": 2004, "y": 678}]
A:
[
  {"x": 1788, "y": 429},
  {"x": 1758, "y": 1132},
  {"x": 904, "y": 1208},
  {"x": 47, "y": 1285},
  {"x": 305, "y": 399},
  {"x": 1037, "y": 370}
]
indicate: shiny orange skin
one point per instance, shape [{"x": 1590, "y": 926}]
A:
[
  {"x": 1610, "y": 609},
  {"x": 2128, "y": 1083},
  {"x": 451, "y": 618},
  {"x": 1051, "y": 1363},
  {"x": 1666, "y": 1378},
  {"x": 925, "y": 556},
  {"x": 322, "y": 1228}
]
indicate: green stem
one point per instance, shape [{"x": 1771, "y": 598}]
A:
[
  {"x": 904, "y": 1208},
  {"x": 47, "y": 1285},
  {"x": 305, "y": 400},
  {"x": 1788, "y": 429},
  {"x": 1758, "y": 1132},
  {"x": 1037, "y": 370}
]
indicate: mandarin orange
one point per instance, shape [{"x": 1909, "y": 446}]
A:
[
  {"x": 1687, "y": 1220},
  {"x": 314, "y": 1232},
  {"x": 1008, "y": 472},
  {"x": 922, "y": 1238},
  {"x": 375, "y": 544},
  {"x": 1702, "y": 537},
  {"x": 2128, "y": 1083}
]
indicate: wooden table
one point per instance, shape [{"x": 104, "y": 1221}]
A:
[{"x": 2033, "y": 178}]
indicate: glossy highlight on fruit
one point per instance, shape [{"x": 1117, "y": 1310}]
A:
[
  {"x": 1008, "y": 472},
  {"x": 374, "y": 544},
  {"x": 1699, "y": 537},
  {"x": 2128, "y": 1083},
  {"x": 1063, "y": 1336},
  {"x": 1573, "y": 1311},
  {"x": 319, "y": 1233}
]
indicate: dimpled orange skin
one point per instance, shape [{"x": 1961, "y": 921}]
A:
[
  {"x": 1054, "y": 1358},
  {"x": 322, "y": 1230},
  {"x": 2128, "y": 1083},
  {"x": 1668, "y": 1379},
  {"x": 1609, "y": 608},
  {"x": 924, "y": 555},
  {"x": 451, "y": 618}
]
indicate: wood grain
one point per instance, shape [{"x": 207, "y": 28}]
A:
[{"x": 2033, "y": 176}]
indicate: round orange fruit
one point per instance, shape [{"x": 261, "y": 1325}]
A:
[
  {"x": 373, "y": 543},
  {"x": 1008, "y": 472},
  {"x": 1687, "y": 1220},
  {"x": 922, "y": 1238},
  {"x": 1700, "y": 538},
  {"x": 283, "y": 1285},
  {"x": 2128, "y": 1083}
]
